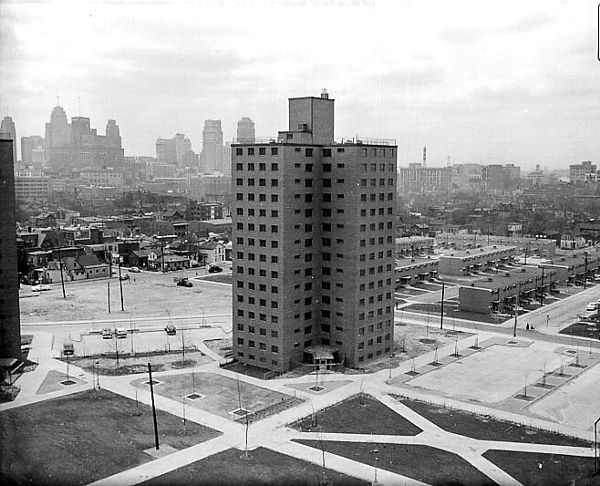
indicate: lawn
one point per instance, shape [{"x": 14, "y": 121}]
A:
[
  {"x": 349, "y": 415},
  {"x": 423, "y": 463},
  {"x": 266, "y": 467},
  {"x": 220, "y": 278},
  {"x": 583, "y": 329},
  {"x": 536, "y": 469},
  {"x": 84, "y": 437},
  {"x": 485, "y": 427},
  {"x": 450, "y": 311},
  {"x": 220, "y": 394}
]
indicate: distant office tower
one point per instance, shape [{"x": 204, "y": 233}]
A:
[
  {"x": 113, "y": 134},
  {"x": 10, "y": 327},
  {"x": 183, "y": 147},
  {"x": 313, "y": 245},
  {"x": 9, "y": 132},
  {"x": 57, "y": 140},
  {"x": 165, "y": 151},
  {"x": 91, "y": 150},
  {"x": 212, "y": 147},
  {"x": 32, "y": 150},
  {"x": 245, "y": 131}
]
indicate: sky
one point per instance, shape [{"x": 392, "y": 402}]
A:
[{"x": 474, "y": 81}]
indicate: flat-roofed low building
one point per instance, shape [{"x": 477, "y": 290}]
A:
[
  {"x": 498, "y": 293},
  {"x": 411, "y": 271},
  {"x": 409, "y": 246},
  {"x": 531, "y": 246},
  {"x": 463, "y": 262},
  {"x": 575, "y": 267}
]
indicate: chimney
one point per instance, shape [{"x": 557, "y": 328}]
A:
[{"x": 324, "y": 94}]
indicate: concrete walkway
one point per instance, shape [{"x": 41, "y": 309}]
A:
[{"x": 273, "y": 432}]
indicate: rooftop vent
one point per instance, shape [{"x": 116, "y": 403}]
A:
[{"x": 324, "y": 94}]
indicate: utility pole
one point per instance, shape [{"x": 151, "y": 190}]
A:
[
  {"x": 542, "y": 292},
  {"x": 442, "y": 311},
  {"x": 517, "y": 311},
  {"x": 121, "y": 285},
  {"x": 62, "y": 280},
  {"x": 153, "y": 406},
  {"x": 585, "y": 271},
  {"x": 108, "y": 296}
]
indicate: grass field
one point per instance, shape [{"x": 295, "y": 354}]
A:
[
  {"x": 266, "y": 467},
  {"x": 349, "y": 416},
  {"x": 534, "y": 469},
  {"x": 423, "y": 463},
  {"x": 84, "y": 437},
  {"x": 485, "y": 427}
]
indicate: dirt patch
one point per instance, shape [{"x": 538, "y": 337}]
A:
[{"x": 160, "y": 361}]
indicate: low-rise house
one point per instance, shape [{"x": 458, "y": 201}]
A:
[{"x": 212, "y": 252}]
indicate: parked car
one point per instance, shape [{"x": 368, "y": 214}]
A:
[
  {"x": 592, "y": 306},
  {"x": 40, "y": 288},
  {"x": 214, "y": 269},
  {"x": 121, "y": 332},
  {"x": 124, "y": 277},
  {"x": 135, "y": 270},
  {"x": 170, "y": 329},
  {"x": 107, "y": 333},
  {"x": 68, "y": 349},
  {"x": 183, "y": 282}
]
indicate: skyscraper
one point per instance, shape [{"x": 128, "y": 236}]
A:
[
  {"x": 10, "y": 327},
  {"x": 57, "y": 139},
  {"x": 32, "y": 149},
  {"x": 245, "y": 131},
  {"x": 313, "y": 236},
  {"x": 8, "y": 131},
  {"x": 212, "y": 147}
]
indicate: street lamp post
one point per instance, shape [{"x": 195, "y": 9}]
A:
[
  {"x": 375, "y": 451},
  {"x": 442, "y": 310}
]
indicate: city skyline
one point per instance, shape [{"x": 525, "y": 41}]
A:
[{"x": 515, "y": 83}]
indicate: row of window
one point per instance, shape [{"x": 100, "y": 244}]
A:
[
  {"x": 261, "y": 330},
  {"x": 373, "y": 182},
  {"x": 371, "y": 314},
  {"x": 261, "y": 166},
  {"x": 262, "y": 228},
  {"x": 252, "y": 151},
  {"x": 261, "y": 197},
  {"x": 375, "y": 197},
  {"x": 261, "y": 182},
  {"x": 261, "y": 346},
  {"x": 371, "y": 300},
  {"x": 370, "y": 355},
  {"x": 378, "y": 340},
  {"x": 252, "y": 242},
  {"x": 262, "y": 303},
  {"x": 261, "y": 257}
]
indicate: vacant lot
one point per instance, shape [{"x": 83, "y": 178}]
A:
[
  {"x": 84, "y": 437},
  {"x": 144, "y": 294},
  {"x": 265, "y": 467}
]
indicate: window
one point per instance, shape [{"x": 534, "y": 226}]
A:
[
  {"x": 274, "y": 182},
  {"x": 251, "y": 344},
  {"x": 274, "y": 198},
  {"x": 307, "y": 329},
  {"x": 327, "y": 152},
  {"x": 239, "y": 151},
  {"x": 250, "y": 151},
  {"x": 262, "y": 151},
  {"x": 251, "y": 166},
  {"x": 274, "y": 151},
  {"x": 308, "y": 197},
  {"x": 262, "y": 182},
  {"x": 308, "y": 152},
  {"x": 239, "y": 196},
  {"x": 308, "y": 182},
  {"x": 326, "y": 167},
  {"x": 239, "y": 166},
  {"x": 262, "y": 166}
]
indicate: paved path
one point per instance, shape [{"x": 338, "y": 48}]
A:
[{"x": 273, "y": 432}]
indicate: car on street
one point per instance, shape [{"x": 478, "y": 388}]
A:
[
  {"x": 121, "y": 332},
  {"x": 592, "y": 306},
  {"x": 107, "y": 333},
  {"x": 125, "y": 277},
  {"x": 135, "y": 270},
  {"x": 183, "y": 282},
  {"x": 40, "y": 288},
  {"x": 68, "y": 349},
  {"x": 214, "y": 269},
  {"x": 170, "y": 329}
]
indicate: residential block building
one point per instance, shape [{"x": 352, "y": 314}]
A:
[
  {"x": 313, "y": 245},
  {"x": 484, "y": 258}
]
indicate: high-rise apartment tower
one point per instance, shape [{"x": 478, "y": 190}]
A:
[{"x": 313, "y": 245}]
